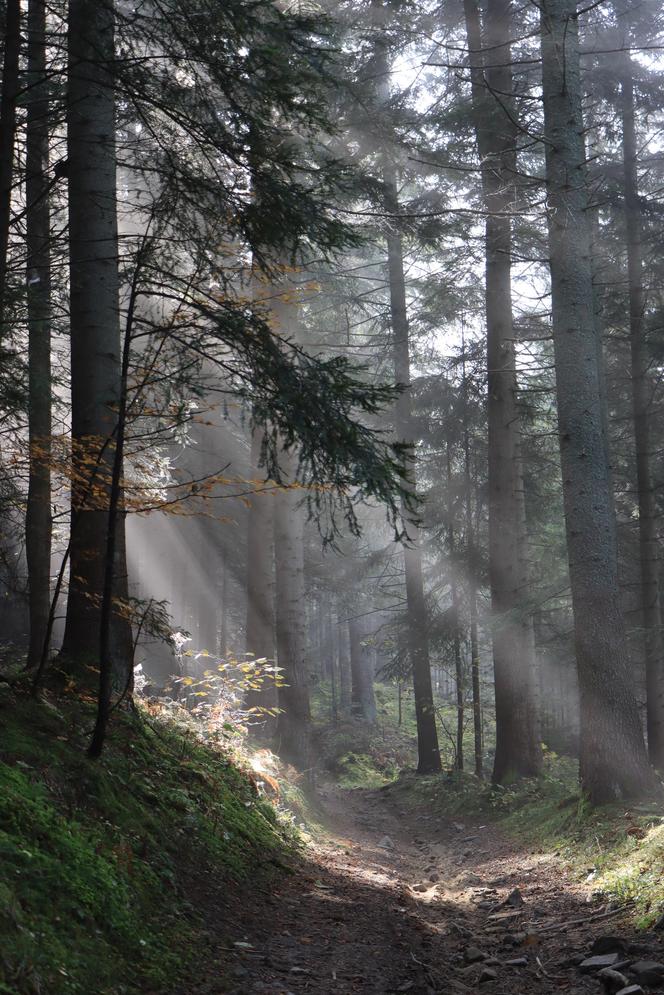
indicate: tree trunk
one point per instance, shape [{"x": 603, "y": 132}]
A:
[
  {"x": 10, "y": 77},
  {"x": 518, "y": 751},
  {"x": 613, "y": 761},
  {"x": 641, "y": 406},
  {"x": 260, "y": 593},
  {"x": 456, "y": 615},
  {"x": 38, "y": 523},
  {"x": 472, "y": 602},
  {"x": 294, "y": 721},
  {"x": 345, "y": 682},
  {"x": 418, "y": 640},
  {"x": 95, "y": 337},
  {"x": 363, "y": 702}
]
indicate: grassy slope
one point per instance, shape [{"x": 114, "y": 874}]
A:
[{"x": 99, "y": 859}]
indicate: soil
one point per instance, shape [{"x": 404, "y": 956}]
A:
[{"x": 387, "y": 901}]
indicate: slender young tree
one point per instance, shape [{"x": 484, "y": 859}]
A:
[
  {"x": 518, "y": 751},
  {"x": 613, "y": 761},
  {"x": 38, "y": 522}
]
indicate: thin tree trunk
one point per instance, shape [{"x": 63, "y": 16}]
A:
[
  {"x": 641, "y": 406},
  {"x": 518, "y": 751},
  {"x": 427, "y": 734},
  {"x": 363, "y": 702},
  {"x": 260, "y": 594},
  {"x": 38, "y": 521},
  {"x": 10, "y": 77},
  {"x": 613, "y": 761},
  {"x": 95, "y": 336},
  {"x": 472, "y": 603},
  {"x": 293, "y": 724},
  {"x": 456, "y": 613}
]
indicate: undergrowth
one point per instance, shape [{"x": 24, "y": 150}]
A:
[{"x": 103, "y": 862}]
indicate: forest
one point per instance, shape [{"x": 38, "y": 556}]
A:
[{"x": 331, "y": 488}]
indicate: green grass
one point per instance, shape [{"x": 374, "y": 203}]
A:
[{"x": 99, "y": 859}]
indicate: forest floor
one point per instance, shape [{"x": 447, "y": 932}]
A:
[{"x": 388, "y": 900}]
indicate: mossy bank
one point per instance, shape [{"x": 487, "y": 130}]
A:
[{"x": 106, "y": 866}]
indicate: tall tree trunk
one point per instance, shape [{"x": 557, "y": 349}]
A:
[
  {"x": 613, "y": 761},
  {"x": 418, "y": 640},
  {"x": 294, "y": 721},
  {"x": 10, "y": 77},
  {"x": 518, "y": 751},
  {"x": 38, "y": 522},
  {"x": 363, "y": 702},
  {"x": 641, "y": 404},
  {"x": 260, "y": 593},
  {"x": 95, "y": 337}
]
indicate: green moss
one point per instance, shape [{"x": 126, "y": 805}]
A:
[{"x": 96, "y": 857}]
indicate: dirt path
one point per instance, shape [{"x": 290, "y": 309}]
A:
[{"x": 389, "y": 904}]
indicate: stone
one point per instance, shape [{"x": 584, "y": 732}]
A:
[
  {"x": 592, "y": 964},
  {"x": 434, "y": 877},
  {"x": 517, "y": 962},
  {"x": 631, "y": 990},
  {"x": 488, "y": 974},
  {"x": 612, "y": 980},
  {"x": 514, "y": 900},
  {"x": 648, "y": 972},
  {"x": 473, "y": 954},
  {"x": 608, "y": 945},
  {"x": 385, "y": 843}
]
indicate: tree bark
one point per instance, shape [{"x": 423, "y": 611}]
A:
[
  {"x": 641, "y": 407},
  {"x": 38, "y": 522},
  {"x": 518, "y": 751},
  {"x": 613, "y": 761},
  {"x": 95, "y": 336}
]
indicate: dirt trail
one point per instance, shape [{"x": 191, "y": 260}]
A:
[{"x": 389, "y": 903}]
